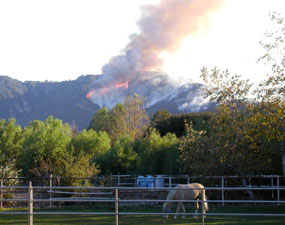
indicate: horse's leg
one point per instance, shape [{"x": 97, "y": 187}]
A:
[
  {"x": 166, "y": 209},
  {"x": 177, "y": 210},
  {"x": 203, "y": 209},
  {"x": 196, "y": 205},
  {"x": 183, "y": 209},
  {"x": 204, "y": 204},
  {"x": 179, "y": 205}
]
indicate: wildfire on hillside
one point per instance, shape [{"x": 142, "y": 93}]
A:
[
  {"x": 106, "y": 89},
  {"x": 162, "y": 28}
]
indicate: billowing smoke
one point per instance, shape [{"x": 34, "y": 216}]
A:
[{"x": 162, "y": 28}]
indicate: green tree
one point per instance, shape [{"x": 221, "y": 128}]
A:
[
  {"x": 11, "y": 139},
  {"x": 160, "y": 115},
  {"x": 272, "y": 90},
  {"x": 120, "y": 159},
  {"x": 137, "y": 118},
  {"x": 77, "y": 167},
  {"x": 118, "y": 126},
  {"x": 70, "y": 167},
  {"x": 10, "y": 173},
  {"x": 45, "y": 168},
  {"x": 266, "y": 131},
  {"x": 157, "y": 155},
  {"x": 43, "y": 140},
  {"x": 129, "y": 119},
  {"x": 100, "y": 121},
  {"x": 274, "y": 45},
  {"x": 8, "y": 169},
  {"x": 236, "y": 120},
  {"x": 160, "y": 120},
  {"x": 223, "y": 87},
  {"x": 90, "y": 142},
  {"x": 232, "y": 127},
  {"x": 198, "y": 156},
  {"x": 176, "y": 123},
  {"x": 229, "y": 123}
]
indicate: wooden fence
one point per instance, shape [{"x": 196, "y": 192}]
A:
[{"x": 116, "y": 200}]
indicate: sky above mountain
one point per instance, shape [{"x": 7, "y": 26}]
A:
[{"x": 61, "y": 40}]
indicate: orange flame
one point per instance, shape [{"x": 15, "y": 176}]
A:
[
  {"x": 90, "y": 93},
  {"x": 106, "y": 89}
]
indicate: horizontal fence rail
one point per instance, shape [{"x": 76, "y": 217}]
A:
[{"x": 168, "y": 180}]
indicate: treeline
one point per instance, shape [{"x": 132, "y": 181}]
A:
[
  {"x": 120, "y": 141},
  {"x": 236, "y": 140}
]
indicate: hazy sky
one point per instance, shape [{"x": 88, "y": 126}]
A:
[{"x": 59, "y": 40}]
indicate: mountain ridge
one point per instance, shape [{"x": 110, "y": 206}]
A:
[
  {"x": 35, "y": 100},
  {"x": 66, "y": 100}
]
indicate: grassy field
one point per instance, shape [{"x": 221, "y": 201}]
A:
[{"x": 147, "y": 220}]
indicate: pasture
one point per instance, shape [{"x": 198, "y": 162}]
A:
[{"x": 148, "y": 219}]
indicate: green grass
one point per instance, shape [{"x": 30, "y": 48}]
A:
[{"x": 147, "y": 220}]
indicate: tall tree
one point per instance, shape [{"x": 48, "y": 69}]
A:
[
  {"x": 199, "y": 156},
  {"x": 118, "y": 126},
  {"x": 128, "y": 119},
  {"x": 11, "y": 139},
  {"x": 235, "y": 122},
  {"x": 272, "y": 90},
  {"x": 274, "y": 45},
  {"x": 89, "y": 142},
  {"x": 43, "y": 140},
  {"x": 8, "y": 170},
  {"x": 120, "y": 159},
  {"x": 75, "y": 167},
  {"x": 157, "y": 155},
  {"x": 176, "y": 123},
  {"x": 160, "y": 120},
  {"x": 100, "y": 121},
  {"x": 160, "y": 115},
  {"x": 265, "y": 133},
  {"x": 137, "y": 118},
  {"x": 223, "y": 87}
]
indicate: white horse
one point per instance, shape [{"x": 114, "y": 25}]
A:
[{"x": 188, "y": 194}]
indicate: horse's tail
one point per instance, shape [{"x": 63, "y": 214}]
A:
[{"x": 205, "y": 204}]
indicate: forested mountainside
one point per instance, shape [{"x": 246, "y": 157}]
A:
[{"x": 30, "y": 100}]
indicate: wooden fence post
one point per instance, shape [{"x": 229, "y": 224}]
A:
[
  {"x": 116, "y": 207},
  {"x": 1, "y": 193},
  {"x": 223, "y": 192},
  {"x": 203, "y": 215},
  {"x": 203, "y": 219},
  {"x": 50, "y": 189},
  {"x": 278, "y": 191},
  {"x": 169, "y": 182},
  {"x": 30, "y": 204},
  {"x": 272, "y": 184}
]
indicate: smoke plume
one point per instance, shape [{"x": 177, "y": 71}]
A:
[{"x": 162, "y": 28}]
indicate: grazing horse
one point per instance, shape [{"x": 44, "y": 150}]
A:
[{"x": 186, "y": 192}]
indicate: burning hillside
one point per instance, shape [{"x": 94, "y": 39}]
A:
[
  {"x": 162, "y": 28},
  {"x": 159, "y": 91},
  {"x": 154, "y": 87}
]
